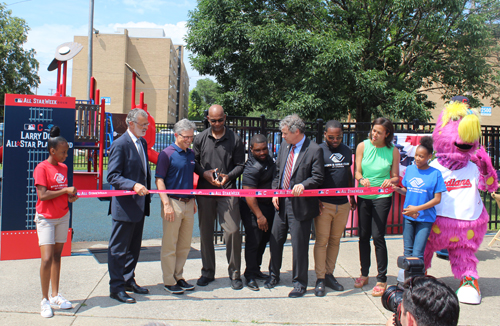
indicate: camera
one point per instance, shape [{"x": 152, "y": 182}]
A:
[{"x": 393, "y": 296}]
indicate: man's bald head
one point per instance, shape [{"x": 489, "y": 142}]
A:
[
  {"x": 215, "y": 110},
  {"x": 216, "y": 118}
]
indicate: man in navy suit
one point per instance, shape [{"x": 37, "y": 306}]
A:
[{"x": 128, "y": 169}]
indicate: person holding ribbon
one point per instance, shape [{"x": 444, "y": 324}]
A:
[
  {"x": 299, "y": 166},
  {"x": 257, "y": 214},
  {"x": 334, "y": 210},
  {"x": 128, "y": 169},
  {"x": 422, "y": 186},
  {"x": 52, "y": 218},
  {"x": 377, "y": 165},
  {"x": 219, "y": 161},
  {"x": 174, "y": 170}
]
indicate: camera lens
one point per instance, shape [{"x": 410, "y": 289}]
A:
[{"x": 392, "y": 297}]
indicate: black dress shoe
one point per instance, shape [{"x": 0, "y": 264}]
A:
[
  {"x": 298, "y": 291},
  {"x": 271, "y": 283},
  {"x": 332, "y": 283},
  {"x": 237, "y": 284},
  {"x": 320, "y": 290},
  {"x": 204, "y": 281},
  {"x": 261, "y": 276},
  {"x": 133, "y": 287},
  {"x": 122, "y": 296},
  {"x": 252, "y": 285}
]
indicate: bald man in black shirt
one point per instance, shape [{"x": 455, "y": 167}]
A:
[{"x": 257, "y": 214}]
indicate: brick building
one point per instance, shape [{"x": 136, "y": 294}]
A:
[{"x": 158, "y": 61}]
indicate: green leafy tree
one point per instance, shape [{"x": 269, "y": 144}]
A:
[
  {"x": 328, "y": 59},
  {"x": 18, "y": 67},
  {"x": 195, "y": 106},
  {"x": 205, "y": 94}
]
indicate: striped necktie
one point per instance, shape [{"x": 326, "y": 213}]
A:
[{"x": 288, "y": 168}]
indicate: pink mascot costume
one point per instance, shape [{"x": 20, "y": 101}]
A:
[{"x": 462, "y": 219}]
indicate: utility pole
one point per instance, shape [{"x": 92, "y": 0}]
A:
[{"x": 91, "y": 29}]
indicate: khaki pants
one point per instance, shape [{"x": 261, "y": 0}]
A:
[
  {"x": 176, "y": 241},
  {"x": 329, "y": 228}
]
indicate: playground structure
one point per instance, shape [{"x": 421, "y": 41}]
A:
[
  {"x": 89, "y": 131},
  {"x": 94, "y": 133}
]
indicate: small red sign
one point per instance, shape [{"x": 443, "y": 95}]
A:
[{"x": 40, "y": 101}]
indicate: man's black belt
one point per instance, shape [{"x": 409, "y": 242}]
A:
[{"x": 184, "y": 200}]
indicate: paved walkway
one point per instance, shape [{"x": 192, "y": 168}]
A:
[{"x": 85, "y": 282}]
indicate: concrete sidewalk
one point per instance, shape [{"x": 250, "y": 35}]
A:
[{"x": 85, "y": 283}]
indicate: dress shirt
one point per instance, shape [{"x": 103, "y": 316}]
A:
[{"x": 298, "y": 147}]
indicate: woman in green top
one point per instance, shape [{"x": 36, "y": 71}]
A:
[{"x": 377, "y": 165}]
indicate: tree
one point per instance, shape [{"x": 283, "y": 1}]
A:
[
  {"x": 18, "y": 67},
  {"x": 328, "y": 59},
  {"x": 205, "y": 94}
]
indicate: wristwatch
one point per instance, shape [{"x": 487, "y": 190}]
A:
[{"x": 361, "y": 179}]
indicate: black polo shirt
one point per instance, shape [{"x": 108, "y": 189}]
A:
[
  {"x": 227, "y": 154},
  {"x": 338, "y": 163},
  {"x": 259, "y": 175}
]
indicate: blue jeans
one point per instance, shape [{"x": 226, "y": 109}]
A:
[{"x": 415, "y": 235}]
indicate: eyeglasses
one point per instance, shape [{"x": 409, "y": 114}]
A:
[
  {"x": 186, "y": 137},
  {"x": 219, "y": 120},
  {"x": 141, "y": 125},
  {"x": 334, "y": 138}
]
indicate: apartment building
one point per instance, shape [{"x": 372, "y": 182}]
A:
[{"x": 159, "y": 62}]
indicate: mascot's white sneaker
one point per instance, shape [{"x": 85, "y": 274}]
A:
[{"x": 469, "y": 292}]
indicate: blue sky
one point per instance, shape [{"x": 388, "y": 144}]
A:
[{"x": 53, "y": 22}]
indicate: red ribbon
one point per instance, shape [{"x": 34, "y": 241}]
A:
[{"x": 262, "y": 193}]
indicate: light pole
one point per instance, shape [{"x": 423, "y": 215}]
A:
[{"x": 91, "y": 29}]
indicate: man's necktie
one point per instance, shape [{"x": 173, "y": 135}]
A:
[
  {"x": 288, "y": 168},
  {"x": 141, "y": 154}
]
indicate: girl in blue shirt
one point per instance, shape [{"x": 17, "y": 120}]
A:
[{"x": 422, "y": 185}]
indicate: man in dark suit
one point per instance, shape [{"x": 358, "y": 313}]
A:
[
  {"x": 128, "y": 169},
  {"x": 299, "y": 166}
]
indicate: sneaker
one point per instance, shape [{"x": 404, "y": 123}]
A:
[
  {"x": 174, "y": 289},
  {"x": 60, "y": 302},
  {"x": 469, "y": 291},
  {"x": 320, "y": 290},
  {"x": 46, "y": 309},
  {"x": 185, "y": 285},
  {"x": 332, "y": 283}
]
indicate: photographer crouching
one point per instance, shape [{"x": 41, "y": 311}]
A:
[{"x": 421, "y": 300}]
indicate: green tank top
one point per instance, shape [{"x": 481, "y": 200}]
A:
[{"x": 376, "y": 166}]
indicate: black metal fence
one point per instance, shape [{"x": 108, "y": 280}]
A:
[{"x": 247, "y": 127}]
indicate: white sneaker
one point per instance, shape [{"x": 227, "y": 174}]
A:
[
  {"x": 46, "y": 309},
  {"x": 60, "y": 302}
]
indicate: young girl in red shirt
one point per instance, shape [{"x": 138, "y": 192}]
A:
[{"x": 52, "y": 218}]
